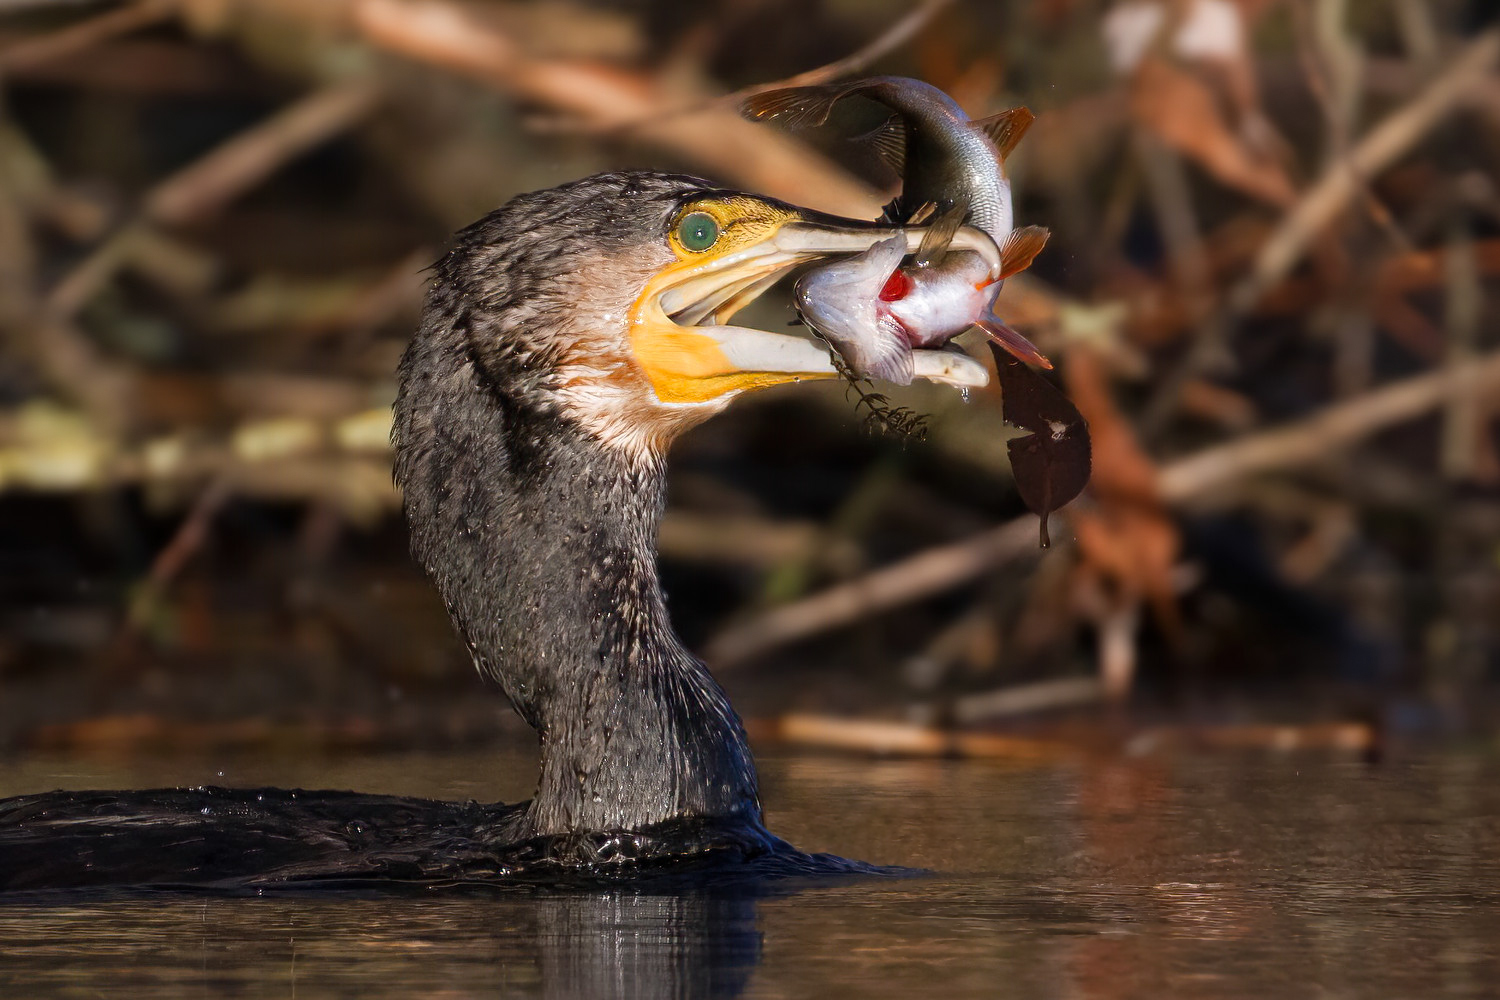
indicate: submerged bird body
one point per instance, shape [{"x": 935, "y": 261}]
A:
[{"x": 874, "y": 311}]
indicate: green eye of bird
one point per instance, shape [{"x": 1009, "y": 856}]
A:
[{"x": 698, "y": 231}]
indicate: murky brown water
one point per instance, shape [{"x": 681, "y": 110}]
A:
[{"x": 1181, "y": 877}]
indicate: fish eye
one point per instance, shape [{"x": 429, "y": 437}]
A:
[{"x": 697, "y": 231}]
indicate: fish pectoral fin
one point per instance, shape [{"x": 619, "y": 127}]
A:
[
  {"x": 795, "y": 107},
  {"x": 1021, "y": 248},
  {"x": 886, "y": 356},
  {"x": 1006, "y": 128},
  {"x": 940, "y": 233},
  {"x": 1013, "y": 341},
  {"x": 888, "y": 142}
]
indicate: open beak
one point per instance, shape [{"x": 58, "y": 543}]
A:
[{"x": 680, "y": 330}]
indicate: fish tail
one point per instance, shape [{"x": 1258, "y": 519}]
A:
[{"x": 796, "y": 107}]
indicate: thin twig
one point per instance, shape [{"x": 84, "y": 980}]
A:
[
  {"x": 1023, "y": 699},
  {"x": 1463, "y": 317},
  {"x": 64, "y": 357},
  {"x": 938, "y": 569},
  {"x": 913, "y": 578},
  {"x": 878, "y": 48},
  {"x": 222, "y": 174},
  {"x": 190, "y": 537},
  {"x": 1338, "y": 112},
  {"x": 1395, "y": 134},
  {"x": 1168, "y": 187},
  {"x": 881, "y": 736},
  {"x": 891, "y": 39},
  {"x": 1351, "y": 737},
  {"x": 169, "y": 563},
  {"x": 1322, "y": 202},
  {"x": 247, "y": 159},
  {"x": 401, "y": 288},
  {"x": 81, "y": 36},
  {"x": 1313, "y": 439},
  {"x": 719, "y": 141}
]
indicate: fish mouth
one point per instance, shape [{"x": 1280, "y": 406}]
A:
[{"x": 679, "y": 327}]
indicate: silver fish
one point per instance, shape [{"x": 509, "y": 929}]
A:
[{"x": 875, "y": 311}]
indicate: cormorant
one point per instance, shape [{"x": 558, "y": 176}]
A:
[{"x": 566, "y": 340}]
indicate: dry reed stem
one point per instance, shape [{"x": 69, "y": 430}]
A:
[
  {"x": 1315, "y": 438},
  {"x": 1376, "y": 150},
  {"x": 937, "y": 569},
  {"x": 886, "y": 42},
  {"x": 224, "y": 173},
  {"x": 1346, "y": 737},
  {"x": 248, "y": 159},
  {"x": 1023, "y": 699},
  {"x": 928, "y": 572},
  {"x": 76, "y": 38},
  {"x": 905, "y": 739},
  {"x": 1320, "y": 204},
  {"x": 604, "y": 98}
]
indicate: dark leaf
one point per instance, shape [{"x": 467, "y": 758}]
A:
[{"x": 1052, "y": 463}]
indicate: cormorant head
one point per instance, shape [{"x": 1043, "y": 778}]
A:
[{"x": 608, "y": 300}]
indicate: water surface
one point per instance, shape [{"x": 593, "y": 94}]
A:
[{"x": 1222, "y": 876}]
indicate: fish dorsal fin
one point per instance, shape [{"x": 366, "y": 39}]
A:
[
  {"x": 1020, "y": 249},
  {"x": 940, "y": 233},
  {"x": 1006, "y": 128},
  {"x": 888, "y": 141},
  {"x": 795, "y": 107}
]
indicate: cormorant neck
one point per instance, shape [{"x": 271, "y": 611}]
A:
[{"x": 542, "y": 541}]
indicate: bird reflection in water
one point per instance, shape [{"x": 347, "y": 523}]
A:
[{"x": 622, "y": 942}]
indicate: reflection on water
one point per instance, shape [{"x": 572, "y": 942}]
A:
[
  {"x": 618, "y": 944},
  {"x": 586, "y": 945},
  {"x": 1219, "y": 877}
]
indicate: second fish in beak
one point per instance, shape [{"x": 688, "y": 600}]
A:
[
  {"x": 882, "y": 317},
  {"x": 730, "y": 248}
]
